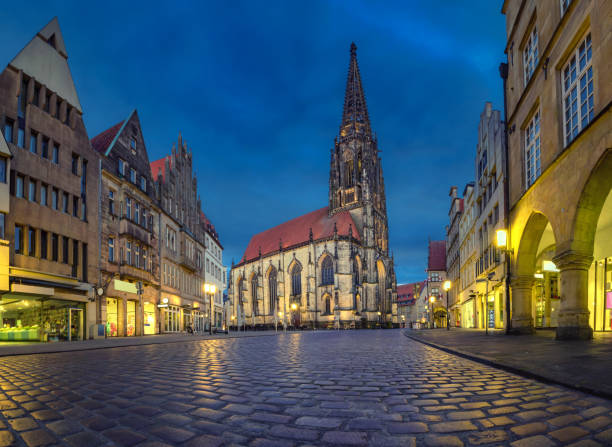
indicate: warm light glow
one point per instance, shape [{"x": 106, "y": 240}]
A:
[
  {"x": 403, "y": 317},
  {"x": 432, "y": 298},
  {"x": 502, "y": 238},
  {"x": 538, "y": 275},
  {"x": 280, "y": 314},
  {"x": 206, "y": 288},
  {"x": 233, "y": 317},
  {"x": 209, "y": 288},
  {"x": 491, "y": 299},
  {"x": 165, "y": 300},
  {"x": 293, "y": 306},
  {"x": 549, "y": 266},
  {"x": 447, "y": 285},
  {"x": 379, "y": 314}
]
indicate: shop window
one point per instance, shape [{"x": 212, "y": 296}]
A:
[
  {"x": 130, "y": 330},
  {"x": 149, "y": 318},
  {"x": 111, "y": 317}
]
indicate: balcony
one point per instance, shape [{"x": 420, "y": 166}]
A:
[
  {"x": 127, "y": 271},
  {"x": 129, "y": 228},
  {"x": 187, "y": 262}
]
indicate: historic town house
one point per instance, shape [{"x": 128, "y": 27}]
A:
[{"x": 330, "y": 266}]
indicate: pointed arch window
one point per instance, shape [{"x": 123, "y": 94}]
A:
[
  {"x": 240, "y": 290},
  {"x": 349, "y": 174},
  {"x": 272, "y": 290},
  {"x": 327, "y": 271},
  {"x": 254, "y": 294},
  {"x": 296, "y": 280},
  {"x": 356, "y": 278},
  {"x": 327, "y": 305}
]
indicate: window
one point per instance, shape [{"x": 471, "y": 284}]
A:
[
  {"x": 47, "y": 102},
  {"x": 111, "y": 249},
  {"x": 327, "y": 305},
  {"x": 143, "y": 217},
  {"x": 85, "y": 265},
  {"x": 564, "y": 5},
  {"x": 64, "y": 249},
  {"x": 296, "y": 280},
  {"x": 128, "y": 253},
  {"x": 356, "y": 276},
  {"x": 22, "y": 100},
  {"x": 144, "y": 259},
  {"x": 18, "y": 239},
  {"x": 33, "y": 138},
  {"x": 121, "y": 167},
  {"x": 143, "y": 184},
  {"x": 8, "y": 130},
  {"x": 68, "y": 110},
  {"x": 32, "y": 190},
  {"x": 43, "y": 244},
  {"x": 19, "y": 180},
  {"x": 75, "y": 257},
  {"x": 530, "y": 55},
  {"x": 2, "y": 224},
  {"x": 31, "y": 241},
  {"x": 55, "y": 155},
  {"x": 254, "y": 295},
  {"x": 128, "y": 207},
  {"x": 75, "y": 206},
  {"x": 207, "y": 266},
  {"x": 75, "y": 164},
  {"x": 136, "y": 255},
  {"x": 132, "y": 175},
  {"x": 578, "y": 90},
  {"x": 3, "y": 169},
  {"x": 21, "y": 135},
  {"x": 65, "y": 202},
  {"x": 496, "y": 213},
  {"x": 137, "y": 212},
  {"x": 327, "y": 271},
  {"x": 133, "y": 144},
  {"x": 54, "y": 247},
  {"x": 36, "y": 97},
  {"x": 532, "y": 150},
  {"x": 54, "y": 197}
]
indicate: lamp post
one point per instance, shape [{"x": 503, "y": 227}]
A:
[
  {"x": 379, "y": 314},
  {"x": 210, "y": 289},
  {"x": 447, "y": 286},
  {"x": 502, "y": 243},
  {"x": 431, "y": 317}
]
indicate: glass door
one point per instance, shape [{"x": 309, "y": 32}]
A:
[{"x": 76, "y": 325}]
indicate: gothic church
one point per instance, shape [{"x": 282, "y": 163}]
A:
[{"x": 330, "y": 267}]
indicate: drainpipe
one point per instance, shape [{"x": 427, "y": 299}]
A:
[{"x": 503, "y": 71}]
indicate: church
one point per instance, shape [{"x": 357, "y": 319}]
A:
[{"x": 329, "y": 268}]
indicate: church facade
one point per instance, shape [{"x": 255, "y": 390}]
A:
[{"x": 330, "y": 267}]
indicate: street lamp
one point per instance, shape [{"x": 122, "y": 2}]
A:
[
  {"x": 501, "y": 237},
  {"x": 210, "y": 289},
  {"x": 431, "y": 300},
  {"x": 446, "y": 286}
]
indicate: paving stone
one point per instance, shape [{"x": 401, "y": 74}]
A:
[
  {"x": 534, "y": 441},
  {"x": 299, "y": 434},
  {"x": 172, "y": 434},
  {"x": 464, "y": 415},
  {"x": 6, "y": 438},
  {"x": 585, "y": 443},
  {"x": 487, "y": 437},
  {"x": 406, "y": 427},
  {"x": 319, "y": 422},
  {"x": 123, "y": 437},
  {"x": 532, "y": 415},
  {"x": 205, "y": 441},
  {"x": 449, "y": 427},
  {"x": 345, "y": 438},
  {"x": 443, "y": 441},
  {"x": 597, "y": 423},
  {"x": 63, "y": 428},
  {"x": 21, "y": 424},
  {"x": 36, "y": 438},
  {"x": 568, "y": 434},
  {"x": 566, "y": 419},
  {"x": 85, "y": 439}
]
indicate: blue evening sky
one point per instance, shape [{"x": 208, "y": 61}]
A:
[{"x": 256, "y": 88}]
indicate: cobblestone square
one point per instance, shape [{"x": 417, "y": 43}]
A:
[{"x": 321, "y": 388}]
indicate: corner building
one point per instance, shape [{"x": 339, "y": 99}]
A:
[
  {"x": 50, "y": 221},
  {"x": 330, "y": 267},
  {"x": 129, "y": 258},
  {"x": 558, "y": 90}
]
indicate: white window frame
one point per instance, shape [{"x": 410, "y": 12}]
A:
[
  {"x": 111, "y": 249},
  {"x": 530, "y": 55},
  {"x": 533, "y": 149},
  {"x": 578, "y": 90},
  {"x": 565, "y": 6}
]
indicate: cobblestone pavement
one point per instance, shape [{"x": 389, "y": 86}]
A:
[{"x": 324, "y": 388}]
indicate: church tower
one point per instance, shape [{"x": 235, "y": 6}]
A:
[{"x": 356, "y": 180}]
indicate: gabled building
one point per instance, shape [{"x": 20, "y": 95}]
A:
[
  {"x": 436, "y": 275},
  {"x": 407, "y": 296},
  {"x": 468, "y": 256},
  {"x": 216, "y": 272},
  {"x": 329, "y": 267},
  {"x": 129, "y": 232},
  {"x": 184, "y": 302},
  {"x": 453, "y": 256},
  {"x": 52, "y": 226}
]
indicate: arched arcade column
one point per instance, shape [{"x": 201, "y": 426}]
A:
[{"x": 521, "y": 291}]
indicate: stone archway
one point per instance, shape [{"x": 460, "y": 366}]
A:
[{"x": 522, "y": 282}]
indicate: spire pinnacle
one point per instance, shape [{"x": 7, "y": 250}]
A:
[{"x": 355, "y": 119}]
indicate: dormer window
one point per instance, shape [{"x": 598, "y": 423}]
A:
[{"x": 133, "y": 144}]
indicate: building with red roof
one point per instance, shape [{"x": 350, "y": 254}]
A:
[{"x": 330, "y": 266}]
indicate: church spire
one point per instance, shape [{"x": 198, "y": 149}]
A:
[{"x": 355, "y": 119}]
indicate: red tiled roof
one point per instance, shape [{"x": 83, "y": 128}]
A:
[
  {"x": 297, "y": 231},
  {"x": 437, "y": 256},
  {"x": 160, "y": 164},
  {"x": 406, "y": 293},
  {"x": 101, "y": 141},
  {"x": 209, "y": 226}
]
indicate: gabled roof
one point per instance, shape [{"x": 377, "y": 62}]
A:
[
  {"x": 407, "y": 294},
  {"x": 45, "y": 59},
  {"x": 297, "y": 231},
  {"x": 102, "y": 141},
  {"x": 210, "y": 228},
  {"x": 436, "y": 260},
  {"x": 160, "y": 164}
]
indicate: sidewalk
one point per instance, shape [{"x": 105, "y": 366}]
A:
[
  {"x": 582, "y": 365},
  {"x": 24, "y": 348}
]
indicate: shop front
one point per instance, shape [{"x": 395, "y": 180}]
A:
[
  {"x": 112, "y": 317},
  {"x": 468, "y": 314},
  {"x": 600, "y": 294},
  {"x": 30, "y": 318},
  {"x": 171, "y": 318},
  {"x": 149, "y": 318}
]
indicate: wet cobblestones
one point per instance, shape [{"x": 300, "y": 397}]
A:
[{"x": 326, "y": 388}]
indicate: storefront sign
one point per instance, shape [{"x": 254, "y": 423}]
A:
[{"x": 124, "y": 286}]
